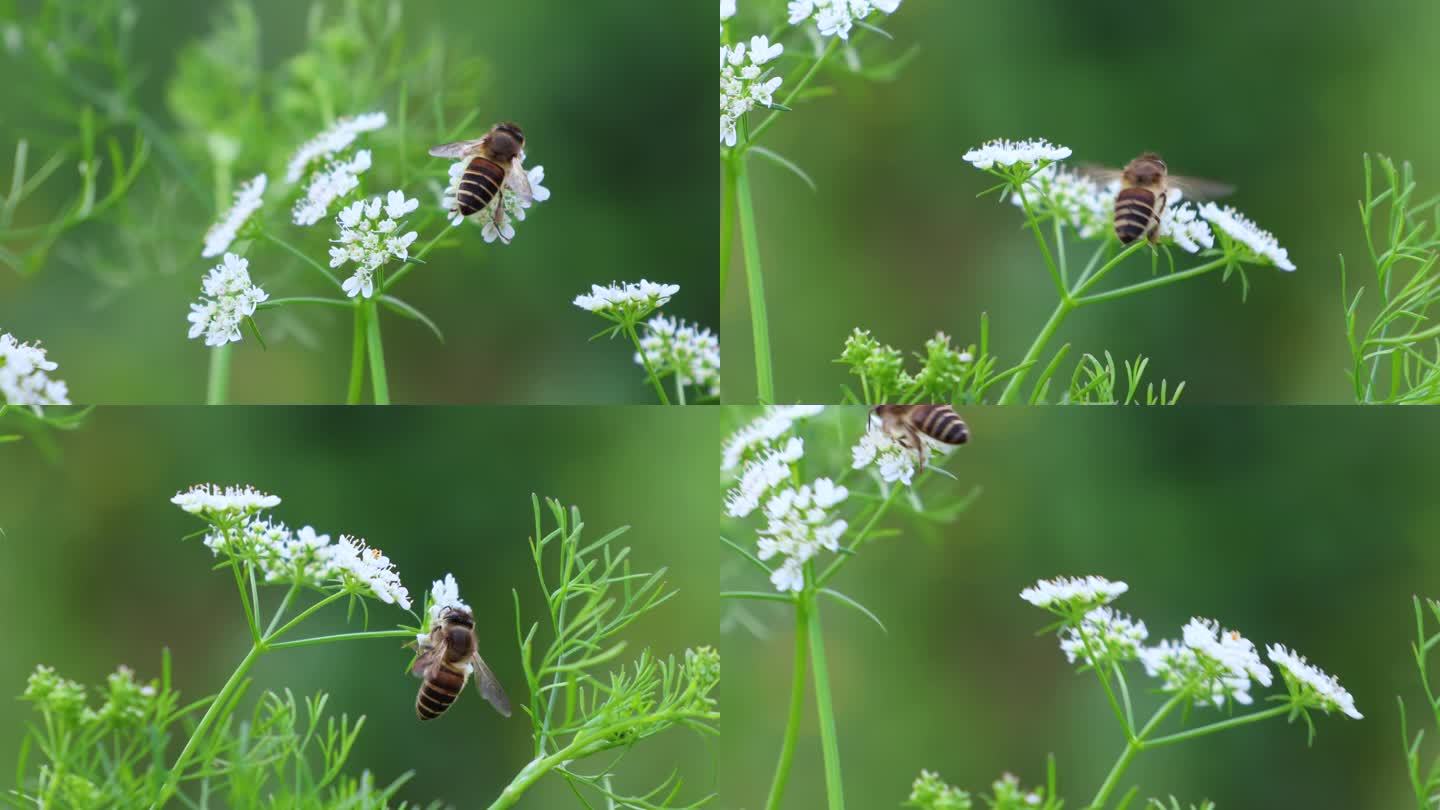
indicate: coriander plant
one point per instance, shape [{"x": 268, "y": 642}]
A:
[
  {"x": 1061, "y": 206},
  {"x": 26, "y": 389},
  {"x": 1207, "y": 668},
  {"x": 1424, "y": 781},
  {"x": 818, "y": 504},
  {"x": 119, "y": 752},
  {"x": 688, "y": 354},
  {"x": 748, "y": 79},
  {"x": 1395, "y": 357}
]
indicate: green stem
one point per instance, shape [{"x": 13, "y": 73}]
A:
[
  {"x": 269, "y": 639},
  {"x": 1222, "y": 725},
  {"x": 314, "y": 640},
  {"x": 1132, "y": 747},
  {"x": 280, "y": 611},
  {"x": 679, "y": 389},
  {"x": 727, "y": 219},
  {"x": 172, "y": 781},
  {"x": 376, "y": 349},
  {"x": 829, "y": 742},
  {"x": 645, "y": 361},
  {"x": 409, "y": 265},
  {"x": 304, "y": 258},
  {"x": 793, "y": 93},
  {"x": 1111, "y": 295},
  {"x": 755, "y": 285},
  {"x": 217, "y": 387},
  {"x": 1011, "y": 394},
  {"x": 1034, "y": 224},
  {"x": 797, "y": 705},
  {"x": 276, "y": 303},
  {"x": 357, "y": 357},
  {"x": 834, "y": 567}
]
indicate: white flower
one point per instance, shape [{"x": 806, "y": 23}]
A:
[
  {"x": 213, "y": 502},
  {"x": 1263, "y": 246},
  {"x": 1010, "y": 153},
  {"x": 444, "y": 593},
  {"x": 335, "y": 181},
  {"x": 761, "y": 474},
  {"x": 1110, "y": 636},
  {"x": 340, "y": 135},
  {"x": 1212, "y": 665},
  {"x": 621, "y": 300},
  {"x": 743, "y": 84},
  {"x": 727, "y": 9},
  {"x": 1075, "y": 199},
  {"x": 798, "y": 526},
  {"x": 892, "y": 461},
  {"x": 836, "y": 17},
  {"x": 761, "y": 433},
  {"x": 228, "y": 298},
  {"x": 23, "y": 376},
  {"x": 693, "y": 354},
  {"x": 370, "y": 237},
  {"x": 1181, "y": 224},
  {"x": 302, "y": 558},
  {"x": 247, "y": 202},
  {"x": 361, "y": 565},
  {"x": 1311, "y": 682},
  {"x": 1070, "y": 593}
]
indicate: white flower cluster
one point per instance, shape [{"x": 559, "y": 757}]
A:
[
  {"x": 23, "y": 376},
  {"x": 1104, "y": 635},
  {"x": 892, "y": 461},
  {"x": 1015, "y": 153},
  {"x": 1077, "y": 200},
  {"x": 361, "y": 565},
  {"x": 247, "y": 202},
  {"x": 767, "y": 470},
  {"x": 837, "y": 17},
  {"x": 761, "y": 434},
  {"x": 228, "y": 297},
  {"x": 727, "y": 9},
  {"x": 1312, "y": 683},
  {"x": 369, "y": 240},
  {"x": 799, "y": 525},
  {"x": 1262, "y": 244},
  {"x": 325, "y": 145},
  {"x": 215, "y": 503},
  {"x": 337, "y": 179},
  {"x": 619, "y": 301},
  {"x": 1212, "y": 664},
  {"x": 1180, "y": 223},
  {"x": 444, "y": 593},
  {"x": 1073, "y": 594},
  {"x": 743, "y": 84},
  {"x": 301, "y": 557},
  {"x": 673, "y": 346},
  {"x": 513, "y": 211}
]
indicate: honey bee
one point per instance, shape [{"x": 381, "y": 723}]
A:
[
  {"x": 909, "y": 424},
  {"x": 494, "y": 169},
  {"x": 446, "y": 660},
  {"x": 1145, "y": 187}
]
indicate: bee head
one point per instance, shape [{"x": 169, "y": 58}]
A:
[
  {"x": 455, "y": 615},
  {"x": 506, "y": 140}
]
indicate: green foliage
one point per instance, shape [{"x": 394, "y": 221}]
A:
[
  {"x": 1424, "y": 780},
  {"x": 1395, "y": 356},
  {"x": 1156, "y": 804},
  {"x": 1095, "y": 383},
  {"x": 930, "y": 792}
]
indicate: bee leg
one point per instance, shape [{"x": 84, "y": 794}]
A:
[{"x": 500, "y": 215}]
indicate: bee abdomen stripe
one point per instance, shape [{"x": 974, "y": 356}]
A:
[{"x": 944, "y": 425}]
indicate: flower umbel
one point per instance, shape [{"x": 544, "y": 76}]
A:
[
  {"x": 215, "y": 503},
  {"x": 331, "y": 141},
  {"x": 23, "y": 375},
  {"x": 626, "y": 302},
  {"x": 1210, "y": 665},
  {"x": 247, "y": 202},
  {"x": 1025, "y": 155},
  {"x": 228, "y": 298},
  {"x": 799, "y": 526},
  {"x": 1310, "y": 685},
  {"x": 837, "y": 17},
  {"x": 692, "y": 354},
  {"x": 743, "y": 82},
  {"x": 1260, "y": 245},
  {"x": 335, "y": 181},
  {"x": 763, "y": 433},
  {"x": 370, "y": 237},
  {"x": 1104, "y": 636},
  {"x": 1072, "y": 595}
]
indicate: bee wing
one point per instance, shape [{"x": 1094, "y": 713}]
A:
[
  {"x": 458, "y": 148},
  {"x": 517, "y": 180},
  {"x": 424, "y": 661},
  {"x": 1102, "y": 175},
  {"x": 489, "y": 686},
  {"x": 1197, "y": 189}
]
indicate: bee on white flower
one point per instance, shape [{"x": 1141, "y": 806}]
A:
[
  {"x": 24, "y": 377},
  {"x": 330, "y": 142},
  {"x": 247, "y": 202},
  {"x": 334, "y": 182},
  {"x": 215, "y": 503},
  {"x": 228, "y": 297},
  {"x": 369, "y": 237},
  {"x": 445, "y": 593},
  {"x": 743, "y": 82},
  {"x": 513, "y": 206}
]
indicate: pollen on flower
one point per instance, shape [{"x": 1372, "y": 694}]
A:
[
  {"x": 1015, "y": 153},
  {"x": 228, "y": 297},
  {"x": 370, "y": 237},
  {"x": 837, "y": 17},
  {"x": 247, "y": 202},
  {"x": 24, "y": 377},
  {"x": 621, "y": 301},
  {"x": 331, "y": 141},
  {"x": 743, "y": 82}
]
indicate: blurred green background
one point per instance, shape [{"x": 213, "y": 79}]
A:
[
  {"x": 1279, "y": 99},
  {"x": 93, "y": 572},
  {"x": 612, "y": 98},
  {"x": 1303, "y": 526}
]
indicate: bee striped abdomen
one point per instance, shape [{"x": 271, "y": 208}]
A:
[
  {"x": 1135, "y": 214},
  {"x": 439, "y": 690},
  {"x": 478, "y": 185},
  {"x": 941, "y": 423}
]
